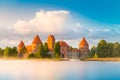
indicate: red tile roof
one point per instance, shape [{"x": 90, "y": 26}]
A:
[
  {"x": 83, "y": 42},
  {"x": 21, "y": 44},
  {"x": 63, "y": 44},
  {"x": 37, "y": 40},
  {"x": 51, "y": 36}
]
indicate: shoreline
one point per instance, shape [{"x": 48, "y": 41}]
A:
[
  {"x": 47, "y": 59},
  {"x": 34, "y": 59},
  {"x": 102, "y": 59}
]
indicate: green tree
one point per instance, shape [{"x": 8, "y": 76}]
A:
[
  {"x": 109, "y": 48},
  {"x": 40, "y": 53},
  {"x": 46, "y": 50},
  {"x": 22, "y": 51},
  {"x": 57, "y": 50},
  {"x": 102, "y": 48},
  {"x": 46, "y": 47},
  {"x": 92, "y": 52},
  {"x": 10, "y": 52},
  {"x": 7, "y": 52},
  {"x": 14, "y": 51},
  {"x": 32, "y": 55},
  {"x": 116, "y": 50},
  {"x": 1, "y": 52}
]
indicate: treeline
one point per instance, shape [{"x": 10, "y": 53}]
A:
[
  {"x": 105, "y": 49},
  {"x": 8, "y": 52},
  {"x": 43, "y": 51},
  {"x": 102, "y": 50}
]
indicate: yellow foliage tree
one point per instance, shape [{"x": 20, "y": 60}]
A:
[{"x": 95, "y": 56}]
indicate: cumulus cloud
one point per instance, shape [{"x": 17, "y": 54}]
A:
[
  {"x": 61, "y": 24},
  {"x": 44, "y": 22}
]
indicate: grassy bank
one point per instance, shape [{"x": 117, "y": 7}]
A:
[
  {"x": 102, "y": 59},
  {"x": 60, "y": 59},
  {"x": 36, "y": 59}
]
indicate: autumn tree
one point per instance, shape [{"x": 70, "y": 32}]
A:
[{"x": 95, "y": 55}]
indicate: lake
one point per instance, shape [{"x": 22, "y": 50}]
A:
[{"x": 58, "y": 70}]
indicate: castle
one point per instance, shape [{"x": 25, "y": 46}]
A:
[{"x": 65, "y": 50}]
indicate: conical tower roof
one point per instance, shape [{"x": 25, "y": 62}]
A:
[
  {"x": 63, "y": 44},
  {"x": 21, "y": 44},
  {"x": 37, "y": 40},
  {"x": 83, "y": 42},
  {"x": 51, "y": 37}
]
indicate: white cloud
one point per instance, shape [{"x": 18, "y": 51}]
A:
[
  {"x": 44, "y": 22},
  {"x": 60, "y": 23}
]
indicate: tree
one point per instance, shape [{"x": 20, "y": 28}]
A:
[
  {"x": 116, "y": 50},
  {"x": 32, "y": 55},
  {"x": 95, "y": 55},
  {"x": 102, "y": 48},
  {"x": 46, "y": 50},
  {"x": 92, "y": 52},
  {"x": 7, "y": 51},
  {"x": 109, "y": 48},
  {"x": 46, "y": 47},
  {"x": 56, "y": 50},
  {"x": 1, "y": 52},
  {"x": 10, "y": 52},
  {"x": 22, "y": 51},
  {"x": 105, "y": 49},
  {"x": 40, "y": 53}
]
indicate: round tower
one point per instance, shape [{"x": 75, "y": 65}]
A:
[
  {"x": 35, "y": 43},
  {"x": 51, "y": 42},
  {"x": 84, "y": 46},
  {"x": 21, "y": 45}
]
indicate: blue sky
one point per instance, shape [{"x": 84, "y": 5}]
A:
[
  {"x": 103, "y": 11},
  {"x": 93, "y": 19}
]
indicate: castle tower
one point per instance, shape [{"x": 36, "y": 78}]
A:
[
  {"x": 35, "y": 43},
  {"x": 21, "y": 45},
  {"x": 63, "y": 49},
  {"x": 51, "y": 42},
  {"x": 84, "y": 46}
]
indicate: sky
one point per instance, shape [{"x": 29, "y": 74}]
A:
[{"x": 67, "y": 20}]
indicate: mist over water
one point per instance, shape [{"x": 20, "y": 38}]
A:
[{"x": 58, "y": 70}]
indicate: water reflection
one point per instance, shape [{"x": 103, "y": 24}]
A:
[{"x": 58, "y": 70}]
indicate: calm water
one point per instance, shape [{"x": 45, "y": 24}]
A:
[{"x": 53, "y": 70}]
